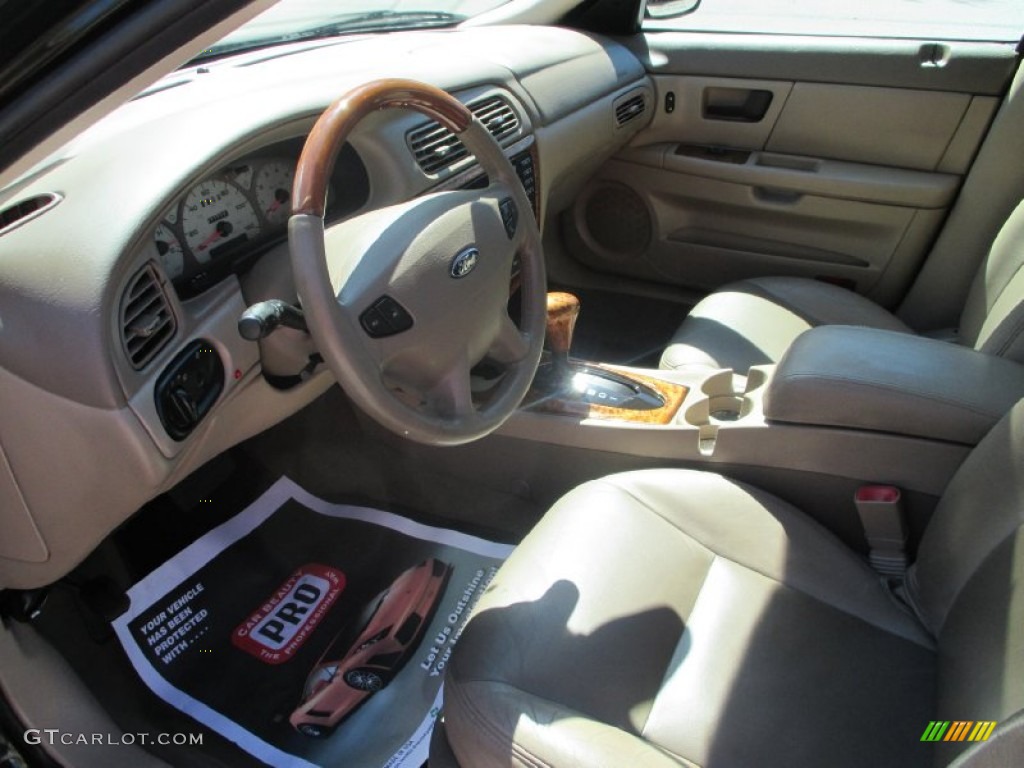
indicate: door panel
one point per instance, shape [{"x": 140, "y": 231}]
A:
[
  {"x": 887, "y": 126},
  {"x": 700, "y": 232},
  {"x": 743, "y": 176}
]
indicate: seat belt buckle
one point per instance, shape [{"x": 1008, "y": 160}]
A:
[{"x": 881, "y": 514}]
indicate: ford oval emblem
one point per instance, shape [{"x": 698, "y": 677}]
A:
[{"x": 464, "y": 262}]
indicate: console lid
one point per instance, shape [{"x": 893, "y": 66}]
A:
[{"x": 885, "y": 381}]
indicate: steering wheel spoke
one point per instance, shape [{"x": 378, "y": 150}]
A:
[
  {"x": 510, "y": 345},
  {"x": 452, "y": 396}
]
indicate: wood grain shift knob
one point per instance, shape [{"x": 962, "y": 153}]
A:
[{"x": 563, "y": 309}]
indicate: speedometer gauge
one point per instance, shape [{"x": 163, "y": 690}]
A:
[
  {"x": 169, "y": 250},
  {"x": 217, "y": 217},
  {"x": 274, "y": 190}
]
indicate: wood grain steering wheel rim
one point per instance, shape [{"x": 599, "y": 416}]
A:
[{"x": 445, "y": 259}]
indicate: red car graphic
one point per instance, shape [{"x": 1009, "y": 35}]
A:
[{"x": 349, "y": 673}]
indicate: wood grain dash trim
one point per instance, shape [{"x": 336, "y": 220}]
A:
[{"x": 673, "y": 394}]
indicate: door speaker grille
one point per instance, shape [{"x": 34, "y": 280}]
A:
[{"x": 618, "y": 221}]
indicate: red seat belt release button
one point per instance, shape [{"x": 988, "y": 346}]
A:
[{"x": 881, "y": 514}]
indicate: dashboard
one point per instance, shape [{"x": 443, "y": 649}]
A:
[{"x": 121, "y": 362}]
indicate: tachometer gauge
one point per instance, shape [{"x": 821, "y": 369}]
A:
[
  {"x": 217, "y": 217},
  {"x": 169, "y": 250},
  {"x": 274, "y": 190}
]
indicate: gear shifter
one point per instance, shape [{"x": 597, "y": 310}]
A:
[
  {"x": 563, "y": 309},
  {"x": 572, "y": 382}
]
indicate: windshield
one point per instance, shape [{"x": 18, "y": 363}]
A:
[{"x": 294, "y": 20}]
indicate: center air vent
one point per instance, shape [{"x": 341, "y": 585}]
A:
[
  {"x": 437, "y": 148},
  {"x": 497, "y": 116},
  {"x": 146, "y": 320},
  {"x": 630, "y": 108}
]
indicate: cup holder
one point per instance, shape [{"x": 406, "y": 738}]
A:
[
  {"x": 727, "y": 408},
  {"x": 718, "y": 409},
  {"x": 726, "y": 398}
]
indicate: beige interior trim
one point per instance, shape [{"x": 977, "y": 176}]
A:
[
  {"x": 695, "y": 241},
  {"x": 747, "y": 439},
  {"x": 810, "y": 175},
  {"x": 964, "y": 144},
  {"x": 21, "y": 539},
  {"x": 992, "y": 189},
  {"x": 900, "y": 128},
  {"x": 856, "y": 377},
  {"x": 45, "y": 692}
]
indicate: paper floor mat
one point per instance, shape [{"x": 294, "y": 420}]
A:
[{"x": 310, "y": 633}]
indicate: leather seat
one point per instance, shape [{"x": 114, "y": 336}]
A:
[
  {"x": 677, "y": 618},
  {"x": 753, "y": 322}
]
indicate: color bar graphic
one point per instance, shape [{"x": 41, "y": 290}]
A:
[
  {"x": 958, "y": 730},
  {"x": 935, "y": 731}
]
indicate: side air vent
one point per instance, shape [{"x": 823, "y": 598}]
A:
[
  {"x": 147, "y": 323},
  {"x": 18, "y": 213},
  {"x": 630, "y": 108},
  {"x": 436, "y": 148}
]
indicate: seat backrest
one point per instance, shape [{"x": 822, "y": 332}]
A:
[
  {"x": 993, "y": 317},
  {"x": 968, "y": 584}
]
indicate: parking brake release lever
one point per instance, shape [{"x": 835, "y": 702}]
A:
[{"x": 262, "y": 319}]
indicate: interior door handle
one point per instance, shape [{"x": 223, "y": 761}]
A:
[{"x": 738, "y": 105}]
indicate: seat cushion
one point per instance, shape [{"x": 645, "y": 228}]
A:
[
  {"x": 753, "y": 322},
  {"x": 673, "y": 617}
]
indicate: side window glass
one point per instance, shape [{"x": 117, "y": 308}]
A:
[
  {"x": 667, "y": 9},
  {"x": 967, "y": 20}
]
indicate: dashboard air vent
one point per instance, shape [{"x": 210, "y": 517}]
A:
[
  {"x": 497, "y": 116},
  {"x": 630, "y": 108},
  {"x": 23, "y": 210},
  {"x": 147, "y": 323},
  {"x": 436, "y": 148}
]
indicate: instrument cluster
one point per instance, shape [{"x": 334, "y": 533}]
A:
[{"x": 223, "y": 223}]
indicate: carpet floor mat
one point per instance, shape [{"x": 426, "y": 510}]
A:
[{"x": 309, "y": 633}]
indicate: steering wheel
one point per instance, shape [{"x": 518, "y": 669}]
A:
[{"x": 404, "y": 301}]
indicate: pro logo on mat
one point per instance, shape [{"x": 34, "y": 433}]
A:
[{"x": 285, "y": 621}]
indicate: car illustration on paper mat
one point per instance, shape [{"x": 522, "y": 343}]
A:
[{"x": 349, "y": 672}]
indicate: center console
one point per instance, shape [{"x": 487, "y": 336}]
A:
[
  {"x": 863, "y": 378},
  {"x": 845, "y": 402}
]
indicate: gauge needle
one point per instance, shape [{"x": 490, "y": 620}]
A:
[
  {"x": 214, "y": 236},
  {"x": 223, "y": 228},
  {"x": 280, "y": 198}
]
